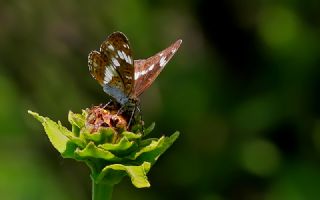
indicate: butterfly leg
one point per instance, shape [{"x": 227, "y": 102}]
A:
[
  {"x": 107, "y": 104},
  {"x": 131, "y": 117},
  {"x": 141, "y": 120},
  {"x": 121, "y": 109}
]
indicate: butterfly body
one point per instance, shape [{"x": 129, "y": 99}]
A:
[{"x": 121, "y": 77}]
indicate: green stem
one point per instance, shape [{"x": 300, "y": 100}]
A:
[{"x": 101, "y": 191}]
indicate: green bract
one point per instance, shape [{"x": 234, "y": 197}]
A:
[{"x": 110, "y": 154}]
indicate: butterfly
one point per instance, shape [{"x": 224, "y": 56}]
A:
[{"x": 121, "y": 77}]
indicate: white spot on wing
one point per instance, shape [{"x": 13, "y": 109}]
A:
[
  {"x": 110, "y": 47},
  {"x": 163, "y": 61},
  {"x": 161, "y": 54},
  {"x": 125, "y": 56},
  {"x": 128, "y": 77},
  {"x": 108, "y": 74},
  {"x": 115, "y": 62},
  {"x": 151, "y": 67},
  {"x": 173, "y": 51},
  {"x": 120, "y": 54},
  {"x": 144, "y": 72},
  {"x": 130, "y": 60},
  {"x": 136, "y": 75}
]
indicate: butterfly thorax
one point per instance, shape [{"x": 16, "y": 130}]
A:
[{"x": 132, "y": 104}]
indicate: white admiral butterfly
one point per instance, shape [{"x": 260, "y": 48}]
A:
[{"x": 121, "y": 77}]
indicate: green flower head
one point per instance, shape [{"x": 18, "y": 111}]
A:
[{"x": 101, "y": 138}]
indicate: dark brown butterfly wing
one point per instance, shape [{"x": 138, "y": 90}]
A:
[
  {"x": 103, "y": 71},
  {"x": 112, "y": 66},
  {"x": 146, "y": 71},
  {"x": 117, "y": 50}
]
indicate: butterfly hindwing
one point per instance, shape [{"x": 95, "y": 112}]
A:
[
  {"x": 96, "y": 66},
  {"x": 146, "y": 71}
]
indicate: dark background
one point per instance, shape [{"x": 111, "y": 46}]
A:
[{"x": 243, "y": 90}]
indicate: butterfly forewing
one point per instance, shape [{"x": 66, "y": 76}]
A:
[
  {"x": 116, "y": 50},
  {"x": 103, "y": 71},
  {"x": 146, "y": 71}
]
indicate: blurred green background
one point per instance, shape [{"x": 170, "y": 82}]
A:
[{"x": 243, "y": 89}]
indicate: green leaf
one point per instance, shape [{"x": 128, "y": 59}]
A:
[
  {"x": 91, "y": 151},
  {"x": 78, "y": 142},
  {"x": 124, "y": 144},
  {"x": 76, "y": 119},
  {"x": 69, "y": 150},
  {"x": 152, "y": 152},
  {"x": 114, "y": 173},
  {"x": 57, "y": 134},
  {"x": 102, "y": 136},
  {"x": 131, "y": 136},
  {"x": 123, "y": 147},
  {"x": 146, "y": 142},
  {"x": 149, "y": 129},
  {"x": 153, "y": 145}
]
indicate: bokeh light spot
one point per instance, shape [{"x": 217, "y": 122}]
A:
[
  {"x": 260, "y": 157},
  {"x": 278, "y": 26}
]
